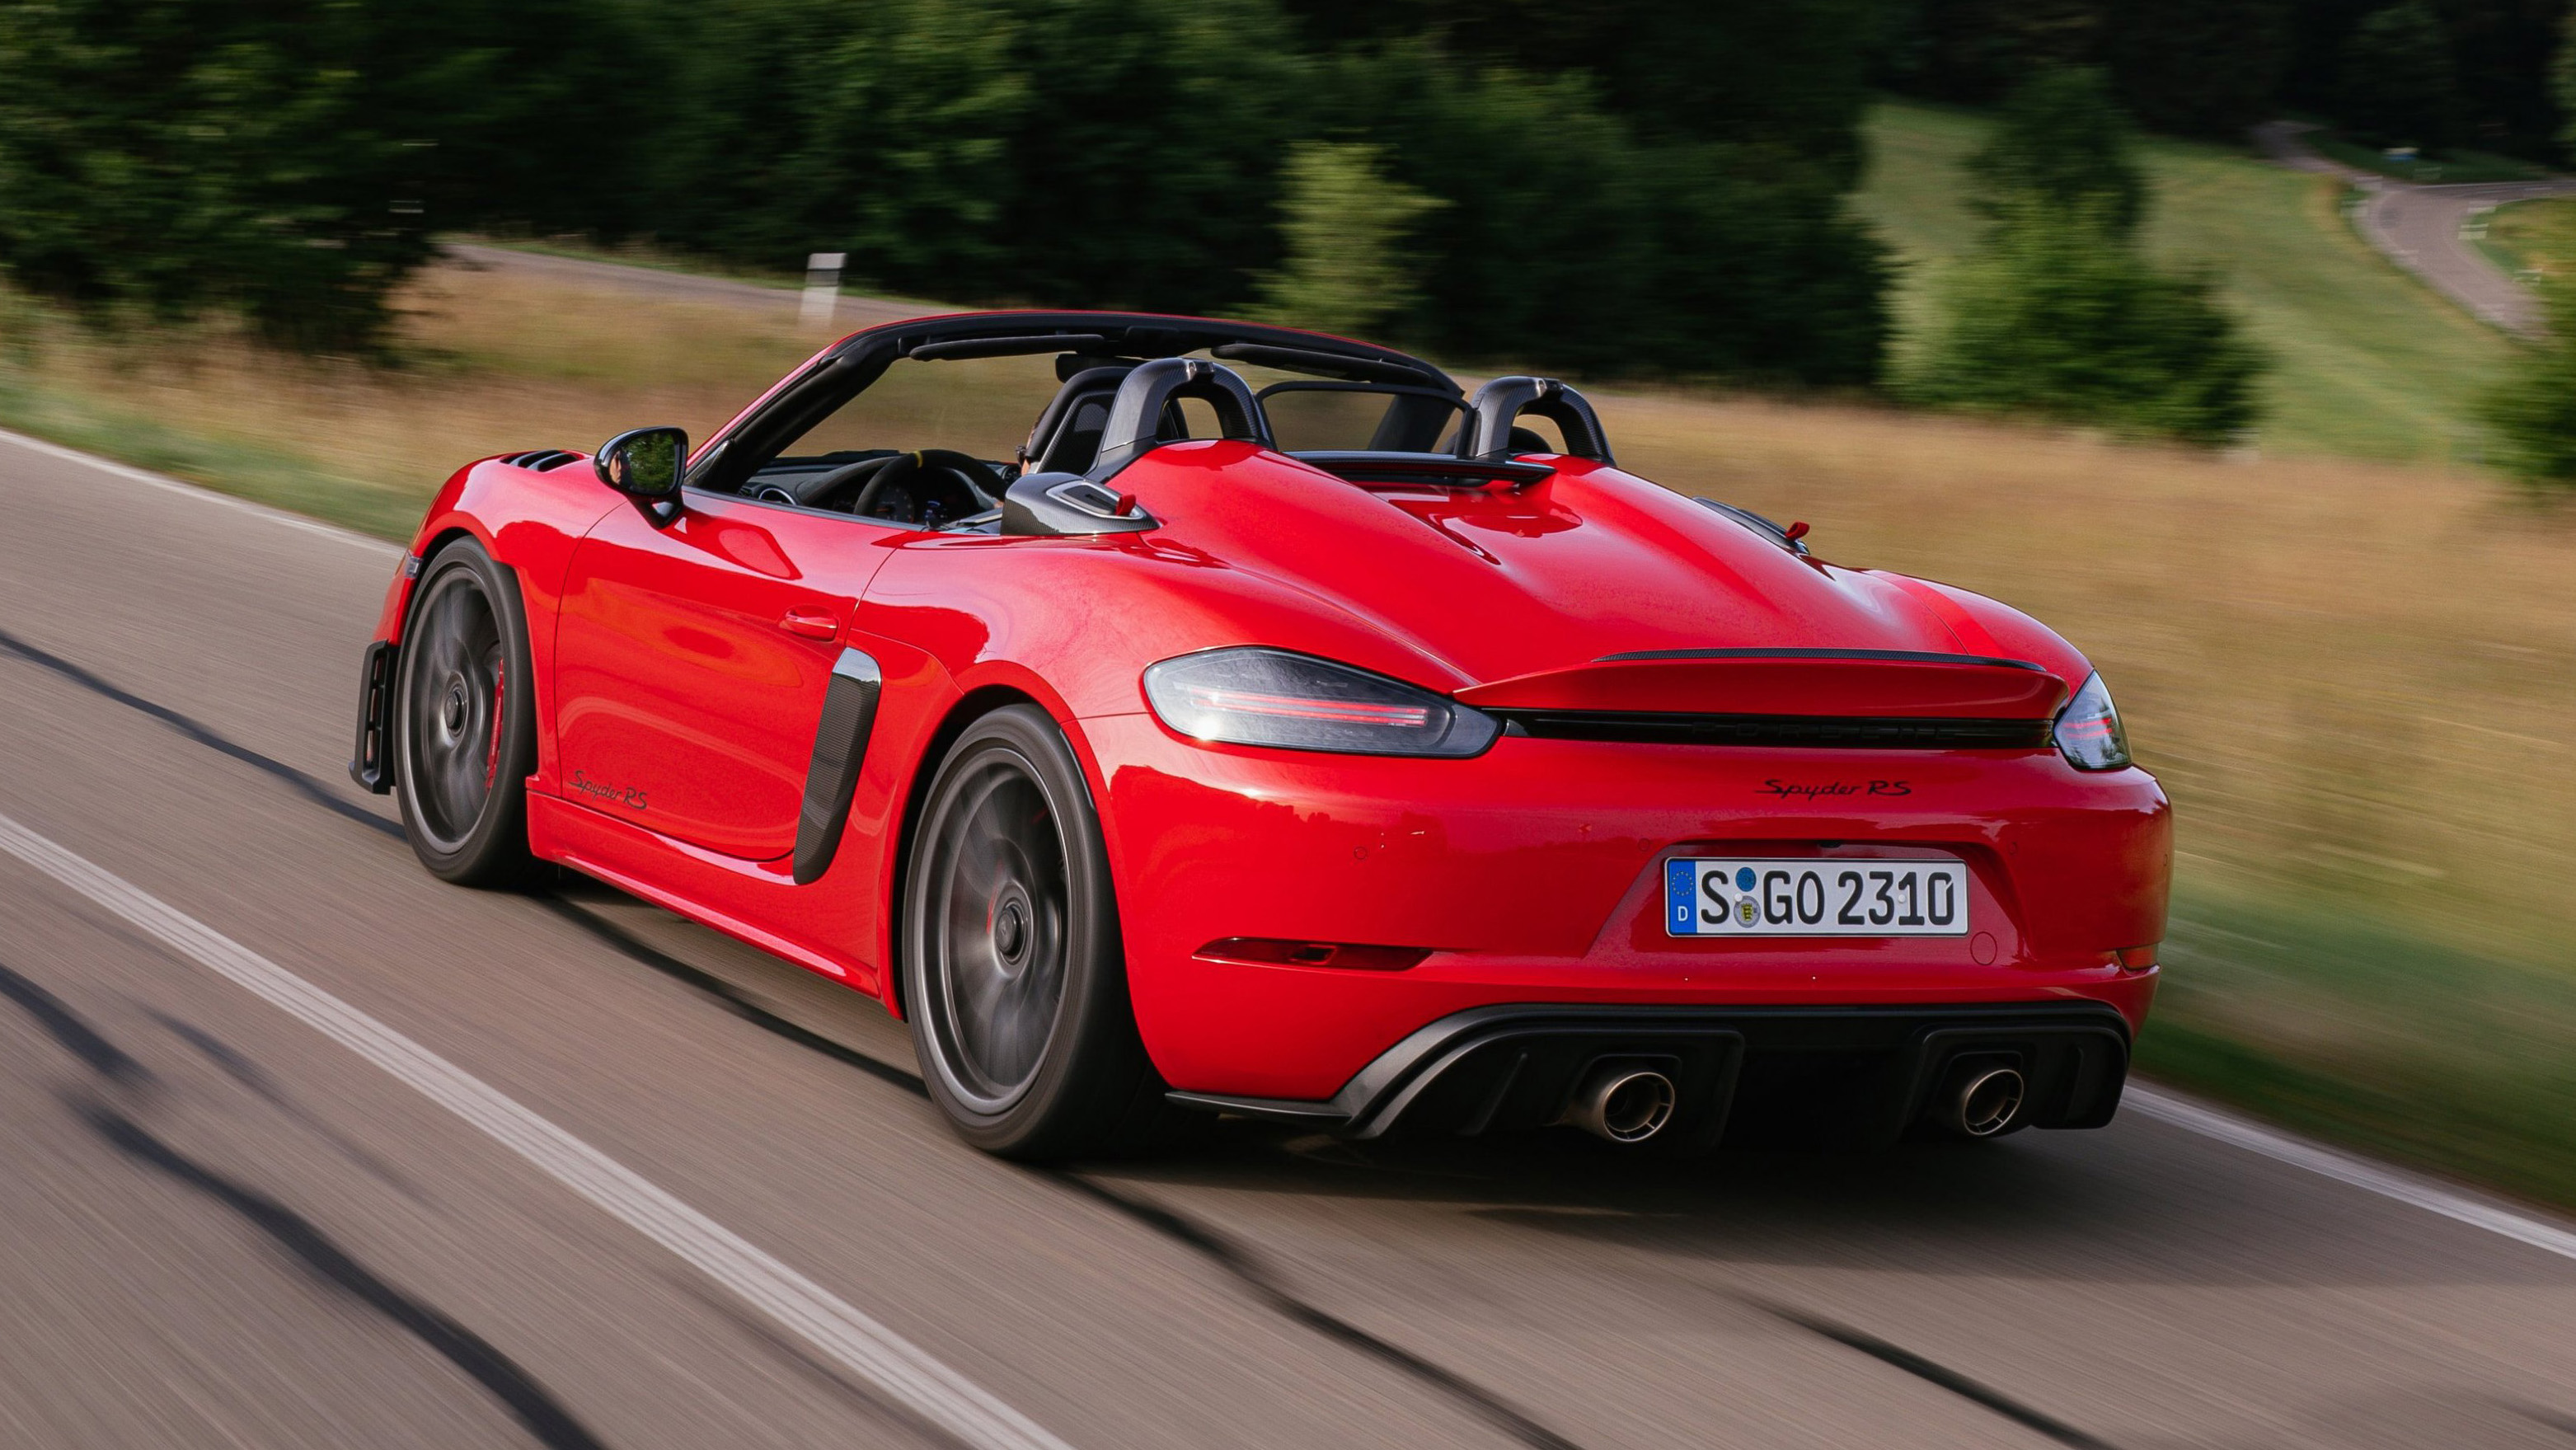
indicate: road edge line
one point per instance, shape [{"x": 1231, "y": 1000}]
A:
[
  {"x": 144, "y": 476},
  {"x": 2390, "y": 1183},
  {"x": 849, "y": 1336}
]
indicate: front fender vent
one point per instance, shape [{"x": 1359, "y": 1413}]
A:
[
  {"x": 1809, "y": 732},
  {"x": 542, "y": 460}
]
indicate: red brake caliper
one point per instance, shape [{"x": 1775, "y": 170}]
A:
[{"x": 492, "y": 754}]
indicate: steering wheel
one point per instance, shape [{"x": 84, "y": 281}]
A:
[
  {"x": 885, "y": 474},
  {"x": 819, "y": 490}
]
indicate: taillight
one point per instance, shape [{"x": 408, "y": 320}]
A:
[
  {"x": 1297, "y": 702},
  {"x": 2088, "y": 730}
]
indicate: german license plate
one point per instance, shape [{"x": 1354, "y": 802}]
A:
[{"x": 1706, "y": 896}]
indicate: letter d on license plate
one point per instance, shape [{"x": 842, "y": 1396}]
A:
[{"x": 1705, "y": 896}]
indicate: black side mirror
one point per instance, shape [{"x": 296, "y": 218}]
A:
[{"x": 646, "y": 465}]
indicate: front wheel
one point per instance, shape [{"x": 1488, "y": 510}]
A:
[
  {"x": 1015, "y": 982},
  {"x": 465, "y": 722}
]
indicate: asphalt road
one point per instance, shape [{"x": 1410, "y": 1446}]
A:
[
  {"x": 2423, "y": 228},
  {"x": 300, "y": 1148}
]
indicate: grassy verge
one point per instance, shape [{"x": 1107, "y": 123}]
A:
[
  {"x": 272, "y": 475},
  {"x": 2366, "y": 361},
  {"x": 2355, "y": 677},
  {"x": 2350, "y": 1027},
  {"x": 493, "y": 362},
  {"x": 2532, "y": 238}
]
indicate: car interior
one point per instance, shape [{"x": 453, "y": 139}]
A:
[{"x": 1330, "y": 410}]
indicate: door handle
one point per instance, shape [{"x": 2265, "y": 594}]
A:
[{"x": 812, "y": 623}]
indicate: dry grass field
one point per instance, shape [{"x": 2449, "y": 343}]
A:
[{"x": 2358, "y": 680}]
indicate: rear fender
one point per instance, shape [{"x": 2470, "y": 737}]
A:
[{"x": 991, "y": 685}]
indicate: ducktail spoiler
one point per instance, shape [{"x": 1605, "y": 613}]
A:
[{"x": 1811, "y": 682}]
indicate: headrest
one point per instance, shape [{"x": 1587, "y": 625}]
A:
[
  {"x": 1502, "y": 402},
  {"x": 1136, "y": 413}
]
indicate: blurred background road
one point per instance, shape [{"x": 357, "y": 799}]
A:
[
  {"x": 2425, "y": 228},
  {"x": 225, "y": 1228}
]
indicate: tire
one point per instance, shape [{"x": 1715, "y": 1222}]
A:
[
  {"x": 1015, "y": 982},
  {"x": 465, "y": 735}
]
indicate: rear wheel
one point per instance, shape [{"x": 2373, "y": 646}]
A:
[
  {"x": 1015, "y": 982},
  {"x": 464, "y": 723}
]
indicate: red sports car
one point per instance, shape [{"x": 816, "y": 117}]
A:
[{"x": 1279, "y": 731}]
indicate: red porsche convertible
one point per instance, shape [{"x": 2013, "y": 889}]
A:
[{"x": 1276, "y": 730}]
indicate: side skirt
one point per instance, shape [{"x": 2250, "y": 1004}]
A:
[{"x": 684, "y": 879}]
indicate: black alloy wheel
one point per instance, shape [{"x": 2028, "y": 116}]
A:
[
  {"x": 1015, "y": 982},
  {"x": 465, "y": 733}
]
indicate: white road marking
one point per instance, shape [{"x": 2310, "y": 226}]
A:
[
  {"x": 860, "y": 1344},
  {"x": 2344, "y": 1168},
  {"x": 175, "y": 485}
]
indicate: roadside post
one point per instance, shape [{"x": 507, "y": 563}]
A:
[{"x": 822, "y": 287}]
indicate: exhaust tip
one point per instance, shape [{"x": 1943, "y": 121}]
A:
[
  {"x": 1623, "y": 1104},
  {"x": 1984, "y": 1101}
]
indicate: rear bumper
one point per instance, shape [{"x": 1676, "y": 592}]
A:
[
  {"x": 1861, "y": 1074},
  {"x": 1534, "y": 874}
]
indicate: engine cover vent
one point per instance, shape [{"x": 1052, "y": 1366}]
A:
[{"x": 542, "y": 460}]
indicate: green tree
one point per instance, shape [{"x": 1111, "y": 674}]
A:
[
  {"x": 1571, "y": 241},
  {"x": 2191, "y": 67},
  {"x": 2562, "y": 80},
  {"x": 735, "y": 169},
  {"x": 2533, "y": 411},
  {"x": 1977, "y": 51},
  {"x": 2498, "y": 51},
  {"x": 1785, "y": 83},
  {"x": 544, "y": 114},
  {"x": 165, "y": 156},
  {"x": 2058, "y": 313},
  {"x": 2501, "y": 52},
  {"x": 1143, "y": 172},
  {"x": 2399, "y": 83},
  {"x": 1135, "y": 153},
  {"x": 290, "y": 159},
  {"x": 2061, "y": 143},
  {"x": 1083, "y": 152},
  {"x": 2196, "y": 67},
  {"x": 1346, "y": 227},
  {"x": 2059, "y": 316}
]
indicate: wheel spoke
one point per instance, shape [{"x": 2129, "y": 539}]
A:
[
  {"x": 450, "y": 723},
  {"x": 999, "y": 883}
]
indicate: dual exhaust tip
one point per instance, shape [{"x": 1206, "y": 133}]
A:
[
  {"x": 1628, "y": 1104},
  {"x": 1624, "y": 1104},
  {"x": 1980, "y": 1099}
]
